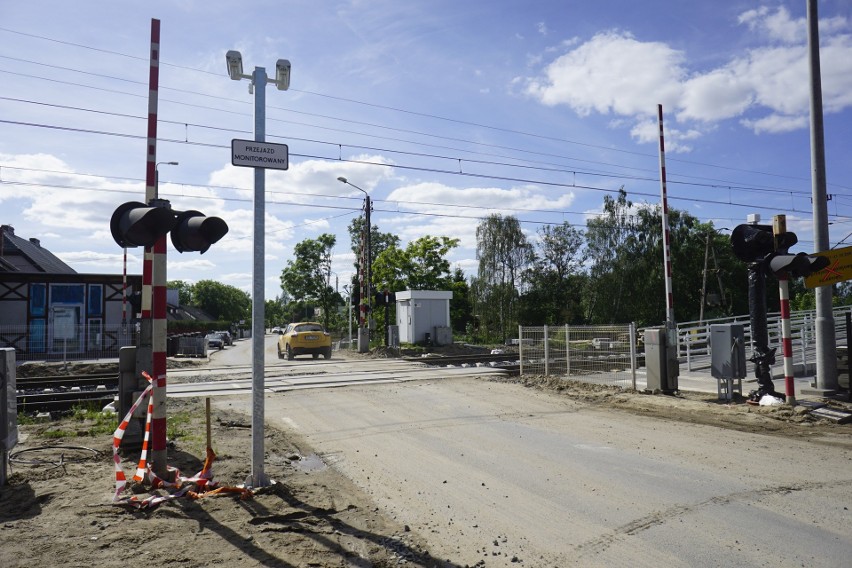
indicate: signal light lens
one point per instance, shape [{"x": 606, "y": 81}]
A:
[
  {"x": 193, "y": 231},
  {"x": 135, "y": 224}
]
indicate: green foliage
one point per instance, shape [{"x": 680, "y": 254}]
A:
[
  {"x": 307, "y": 277},
  {"x": 87, "y": 420},
  {"x": 275, "y": 312},
  {"x": 554, "y": 281},
  {"x": 461, "y": 306},
  {"x": 421, "y": 266},
  {"x": 379, "y": 241},
  {"x": 504, "y": 255},
  {"x": 177, "y": 425},
  {"x": 222, "y": 301}
]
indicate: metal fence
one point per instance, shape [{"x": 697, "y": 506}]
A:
[
  {"x": 593, "y": 354},
  {"x": 694, "y": 344},
  {"x": 68, "y": 342}
]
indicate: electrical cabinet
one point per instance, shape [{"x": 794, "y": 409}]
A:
[{"x": 727, "y": 359}]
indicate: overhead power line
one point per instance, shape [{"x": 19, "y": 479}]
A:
[{"x": 390, "y": 108}]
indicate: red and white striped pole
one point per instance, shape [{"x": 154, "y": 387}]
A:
[
  {"x": 779, "y": 228},
  {"x": 787, "y": 340},
  {"x": 667, "y": 258},
  {"x": 155, "y": 261}
]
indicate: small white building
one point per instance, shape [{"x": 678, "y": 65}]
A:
[{"x": 424, "y": 316}]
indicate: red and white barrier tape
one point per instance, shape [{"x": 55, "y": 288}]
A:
[{"x": 195, "y": 487}]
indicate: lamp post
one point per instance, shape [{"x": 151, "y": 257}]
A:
[
  {"x": 366, "y": 274},
  {"x": 259, "y": 80}
]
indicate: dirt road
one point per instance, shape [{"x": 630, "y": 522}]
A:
[
  {"x": 538, "y": 472},
  {"x": 496, "y": 474}
]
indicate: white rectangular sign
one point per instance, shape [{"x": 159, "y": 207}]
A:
[{"x": 253, "y": 154}]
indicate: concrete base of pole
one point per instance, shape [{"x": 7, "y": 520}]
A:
[
  {"x": 816, "y": 391},
  {"x": 363, "y": 340},
  {"x": 258, "y": 480}
]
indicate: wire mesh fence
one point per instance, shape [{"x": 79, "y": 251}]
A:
[
  {"x": 68, "y": 342},
  {"x": 594, "y": 354}
]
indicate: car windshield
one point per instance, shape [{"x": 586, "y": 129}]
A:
[{"x": 308, "y": 327}]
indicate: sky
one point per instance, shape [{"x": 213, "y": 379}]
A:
[{"x": 443, "y": 111}]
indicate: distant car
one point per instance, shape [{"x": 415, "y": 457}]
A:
[
  {"x": 215, "y": 341},
  {"x": 304, "y": 338},
  {"x": 277, "y": 330},
  {"x": 226, "y": 336}
]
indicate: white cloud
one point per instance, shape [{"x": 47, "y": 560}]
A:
[
  {"x": 455, "y": 211},
  {"x": 615, "y": 74},
  {"x": 676, "y": 140},
  {"x": 717, "y": 95},
  {"x": 776, "y": 123},
  {"x": 779, "y": 26},
  {"x": 612, "y": 73}
]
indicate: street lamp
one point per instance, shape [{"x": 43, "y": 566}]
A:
[
  {"x": 366, "y": 274},
  {"x": 259, "y": 80}
]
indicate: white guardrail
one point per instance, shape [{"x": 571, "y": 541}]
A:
[{"x": 694, "y": 343}]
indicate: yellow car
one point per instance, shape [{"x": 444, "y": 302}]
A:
[{"x": 303, "y": 338}]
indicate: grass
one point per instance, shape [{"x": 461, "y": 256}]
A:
[{"x": 90, "y": 421}]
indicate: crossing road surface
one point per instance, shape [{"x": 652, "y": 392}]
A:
[
  {"x": 496, "y": 472},
  {"x": 229, "y": 372}
]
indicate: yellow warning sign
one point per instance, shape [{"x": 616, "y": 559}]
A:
[{"x": 839, "y": 268}]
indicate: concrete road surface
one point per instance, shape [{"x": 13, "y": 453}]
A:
[{"x": 511, "y": 476}]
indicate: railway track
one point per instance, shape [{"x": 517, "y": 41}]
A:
[
  {"x": 62, "y": 393},
  {"x": 506, "y": 361}
]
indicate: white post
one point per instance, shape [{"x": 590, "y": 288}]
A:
[
  {"x": 567, "y": 353},
  {"x": 520, "y": 351},
  {"x": 546, "y": 353},
  {"x": 258, "y": 308}
]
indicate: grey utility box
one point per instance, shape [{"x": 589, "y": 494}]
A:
[
  {"x": 727, "y": 360},
  {"x": 8, "y": 400},
  {"x": 393, "y": 336},
  {"x": 661, "y": 362},
  {"x": 8, "y": 408}
]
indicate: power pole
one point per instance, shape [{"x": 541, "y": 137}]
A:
[{"x": 826, "y": 346}]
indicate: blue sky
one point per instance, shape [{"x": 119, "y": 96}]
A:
[{"x": 444, "y": 111}]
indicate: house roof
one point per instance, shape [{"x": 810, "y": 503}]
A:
[{"x": 27, "y": 255}]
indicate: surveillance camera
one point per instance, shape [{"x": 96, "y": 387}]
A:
[
  {"x": 235, "y": 64},
  {"x": 282, "y": 74}
]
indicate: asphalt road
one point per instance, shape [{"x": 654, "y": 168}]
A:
[{"x": 511, "y": 476}]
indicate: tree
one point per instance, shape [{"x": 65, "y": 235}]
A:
[
  {"x": 379, "y": 243},
  {"x": 503, "y": 253},
  {"x": 307, "y": 278},
  {"x": 605, "y": 240},
  {"x": 275, "y": 311},
  {"x": 627, "y": 276},
  {"x": 222, "y": 301},
  {"x": 461, "y": 308},
  {"x": 422, "y": 265},
  {"x": 554, "y": 293}
]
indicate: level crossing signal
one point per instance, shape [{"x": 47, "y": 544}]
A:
[
  {"x": 756, "y": 243},
  {"x": 135, "y": 224}
]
